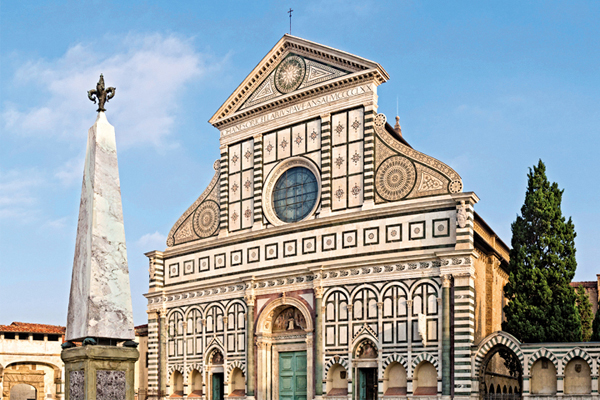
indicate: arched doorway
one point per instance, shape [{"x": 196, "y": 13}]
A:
[
  {"x": 284, "y": 339},
  {"x": 365, "y": 363},
  {"x": 500, "y": 369},
  {"x": 23, "y": 391}
]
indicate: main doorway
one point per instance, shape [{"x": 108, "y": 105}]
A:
[
  {"x": 217, "y": 386},
  {"x": 367, "y": 384},
  {"x": 292, "y": 375}
]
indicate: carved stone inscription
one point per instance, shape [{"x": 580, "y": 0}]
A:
[
  {"x": 110, "y": 385},
  {"x": 319, "y": 101},
  {"x": 76, "y": 390}
]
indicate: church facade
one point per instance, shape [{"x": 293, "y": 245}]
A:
[{"x": 329, "y": 259}]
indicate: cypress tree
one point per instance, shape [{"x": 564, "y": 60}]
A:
[
  {"x": 541, "y": 305},
  {"x": 596, "y": 328},
  {"x": 584, "y": 307}
]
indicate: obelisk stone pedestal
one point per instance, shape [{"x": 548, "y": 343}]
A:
[{"x": 100, "y": 372}]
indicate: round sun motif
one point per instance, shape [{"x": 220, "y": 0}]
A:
[
  {"x": 290, "y": 74},
  {"x": 395, "y": 178},
  {"x": 206, "y": 219}
]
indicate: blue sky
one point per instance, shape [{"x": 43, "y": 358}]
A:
[{"x": 487, "y": 87}]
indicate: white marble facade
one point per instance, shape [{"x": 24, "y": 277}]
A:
[{"x": 356, "y": 288}]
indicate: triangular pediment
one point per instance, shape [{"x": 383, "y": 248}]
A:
[{"x": 293, "y": 66}]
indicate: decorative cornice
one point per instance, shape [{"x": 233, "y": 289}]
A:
[{"x": 324, "y": 276}]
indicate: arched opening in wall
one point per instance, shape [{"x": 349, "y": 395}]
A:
[
  {"x": 176, "y": 384},
  {"x": 237, "y": 383},
  {"x": 578, "y": 377},
  {"x": 22, "y": 391},
  {"x": 425, "y": 380},
  {"x": 543, "y": 377},
  {"x": 337, "y": 381},
  {"x": 500, "y": 369},
  {"x": 284, "y": 333},
  {"x": 196, "y": 383},
  {"x": 394, "y": 380}
]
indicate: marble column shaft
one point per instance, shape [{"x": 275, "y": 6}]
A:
[
  {"x": 250, "y": 348},
  {"x": 319, "y": 343},
  {"x": 446, "y": 355}
]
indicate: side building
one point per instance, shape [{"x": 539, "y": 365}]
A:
[
  {"x": 30, "y": 363},
  {"x": 328, "y": 259}
]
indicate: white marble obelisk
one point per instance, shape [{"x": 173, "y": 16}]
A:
[{"x": 100, "y": 300}]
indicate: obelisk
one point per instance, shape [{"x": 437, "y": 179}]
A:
[{"x": 100, "y": 314}]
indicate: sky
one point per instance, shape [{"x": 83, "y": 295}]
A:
[{"x": 487, "y": 87}]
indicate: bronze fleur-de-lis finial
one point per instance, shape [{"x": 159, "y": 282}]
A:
[{"x": 103, "y": 95}]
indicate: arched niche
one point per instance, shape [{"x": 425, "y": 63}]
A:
[
  {"x": 578, "y": 377},
  {"x": 543, "y": 377},
  {"x": 195, "y": 381},
  {"x": 337, "y": 381},
  {"x": 176, "y": 384},
  {"x": 394, "y": 380},
  {"x": 425, "y": 379},
  {"x": 237, "y": 383},
  {"x": 284, "y": 325}
]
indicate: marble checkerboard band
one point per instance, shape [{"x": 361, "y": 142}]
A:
[{"x": 100, "y": 300}]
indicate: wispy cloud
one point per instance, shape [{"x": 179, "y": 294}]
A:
[
  {"x": 17, "y": 194},
  {"x": 152, "y": 241},
  {"x": 151, "y": 73}
]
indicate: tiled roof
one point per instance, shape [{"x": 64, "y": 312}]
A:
[
  {"x": 586, "y": 284},
  {"x": 24, "y": 327}
]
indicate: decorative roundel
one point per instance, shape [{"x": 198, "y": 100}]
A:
[
  {"x": 455, "y": 186},
  {"x": 290, "y": 74},
  {"x": 395, "y": 178},
  {"x": 206, "y": 219},
  {"x": 380, "y": 120}
]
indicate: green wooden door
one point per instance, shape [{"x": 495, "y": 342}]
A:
[
  {"x": 292, "y": 375},
  {"x": 217, "y": 387}
]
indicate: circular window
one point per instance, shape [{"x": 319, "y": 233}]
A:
[
  {"x": 295, "y": 194},
  {"x": 292, "y": 191}
]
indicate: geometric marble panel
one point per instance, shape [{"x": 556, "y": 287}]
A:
[
  {"x": 355, "y": 121},
  {"x": 416, "y": 230},
  {"x": 441, "y": 227},
  {"x": 393, "y": 233},
  {"x": 110, "y": 385},
  {"x": 371, "y": 236},
  {"x": 299, "y": 139},
  {"x": 76, "y": 389},
  {"x": 355, "y": 189},
  {"x": 313, "y": 135}
]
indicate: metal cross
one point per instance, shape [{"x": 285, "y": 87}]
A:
[{"x": 290, "y": 12}]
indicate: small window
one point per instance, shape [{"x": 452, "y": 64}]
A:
[
  {"x": 544, "y": 364},
  {"x": 38, "y": 336},
  {"x": 9, "y": 335},
  {"x": 53, "y": 338},
  {"x": 147, "y": 359}
]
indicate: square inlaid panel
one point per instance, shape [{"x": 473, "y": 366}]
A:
[
  {"x": 416, "y": 230},
  {"x": 220, "y": 261},
  {"x": 393, "y": 233},
  {"x": 371, "y": 236},
  {"x": 441, "y": 227}
]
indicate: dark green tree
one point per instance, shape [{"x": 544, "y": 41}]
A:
[
  {"x": 596, "y": 328},
  {"x": 584, "y": 307},
  {"x": 541, "y": 305}
]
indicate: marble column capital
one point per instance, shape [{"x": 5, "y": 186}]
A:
[{"x": 446, "y": 279}]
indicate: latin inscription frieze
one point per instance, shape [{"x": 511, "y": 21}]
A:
[{"x": 306, "y": 105}]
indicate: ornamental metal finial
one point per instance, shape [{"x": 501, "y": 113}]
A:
[{"x": 103, "y": 95}]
